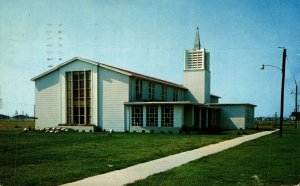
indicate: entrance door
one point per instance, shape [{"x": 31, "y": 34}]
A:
[
  {"x": 203, "y": 118},
  {"x": 197, "y": 118}
]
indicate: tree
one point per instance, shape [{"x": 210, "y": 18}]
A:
[
  {"x": 1, "y": 100},
  {"x": 1, "y": 103}
]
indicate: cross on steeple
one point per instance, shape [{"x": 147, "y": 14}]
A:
[{"x": 197, "y": 45}]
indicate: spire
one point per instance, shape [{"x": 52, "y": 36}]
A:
[{"x": 197, "y": 45}]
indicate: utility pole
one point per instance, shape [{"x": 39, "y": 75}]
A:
[
  {"x": 296, "y": 106},
  {"x": 282, "y": 90}
]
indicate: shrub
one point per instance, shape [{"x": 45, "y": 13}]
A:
[{"x": 97, "y": 129}]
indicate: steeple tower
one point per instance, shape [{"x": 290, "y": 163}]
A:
[
  {"x": 197, "y": 45},
  {"x": 197, "y": 73},
  {"x": 197, "y": 58}
]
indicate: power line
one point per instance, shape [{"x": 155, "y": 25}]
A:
[
  {"x": 274, "y": 24},
  {"x": 291, "y": 70}
]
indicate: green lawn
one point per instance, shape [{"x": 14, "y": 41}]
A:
[
  {"x": 36, "y": 158},
  {"x": 269, "y": 160}
]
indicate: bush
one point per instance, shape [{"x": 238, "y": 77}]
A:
[{"x": 97, "y": 129}]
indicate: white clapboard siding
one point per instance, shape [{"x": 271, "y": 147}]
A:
[
  {"x": 233, "y": 117},
  {"x": 47, "y": 100},
  {"x": 112, "y": 93}
]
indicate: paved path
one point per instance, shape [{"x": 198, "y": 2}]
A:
[{"x": 143, "y": 170}]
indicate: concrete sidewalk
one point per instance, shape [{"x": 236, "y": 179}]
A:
[{"x": 143, "y": 170}]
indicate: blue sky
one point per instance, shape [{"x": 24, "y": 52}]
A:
[{"x": 150, "y": 37}]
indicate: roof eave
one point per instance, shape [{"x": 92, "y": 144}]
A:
[
  {"x": 63, "y": 64},
  {"x": 229, "y": 104},
  {"x": 158, "y": 103}
]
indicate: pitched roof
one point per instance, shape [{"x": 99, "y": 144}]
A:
[
  {"x": 213, "y": 95},
  {"x": 116, "y": 69}
]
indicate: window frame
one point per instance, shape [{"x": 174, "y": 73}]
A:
[
  {"x": 164, "y": 93},
  {"x": 175, "y": 94},
  {"x": 137, "y": 117},
  {"x": 152, "y": 115},
  {"x": 167, "y": 116},
  {"x": 151, "y": 90},
  {"x": 138, "y": 89},
  {"x": 78, "y": 97}
]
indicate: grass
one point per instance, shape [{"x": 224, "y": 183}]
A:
[
  {"x": 15, "y": 125},
  {"x": 35, "y": 158},
  {"x": 269, "y": 160}
]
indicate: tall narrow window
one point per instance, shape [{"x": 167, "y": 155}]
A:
[
  {"x": 137, "y": 115},
  {"x": 79, "y": 97},
  {"x": 167, "y": 116},
  {"x": 164, "y": 93},
  {"x": 138, "y": 89},
  {"x": 152, "y": 116},
  {"x": 151, "y": 91},
  {"x": 175, "y": 94}
]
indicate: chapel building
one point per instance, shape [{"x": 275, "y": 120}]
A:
[{"x": 83, "y": 94}]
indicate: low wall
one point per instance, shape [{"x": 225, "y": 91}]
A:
[
  {"x": 80, "y": 128},
  {"x": 155, "y": 129}
]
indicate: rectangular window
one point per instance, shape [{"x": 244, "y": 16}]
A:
[
  {"x": 152, "y": 116},
  {"x": 137, "y": 115},
  {"x": 167, "y": 116},
  {"x": 138, "y": 89},
  {"x": 78, "y": 97},
  {"x": 175, "y": 94},
  {"x": 151, "y": 91},
  {"x": 164, "y": 93}
]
